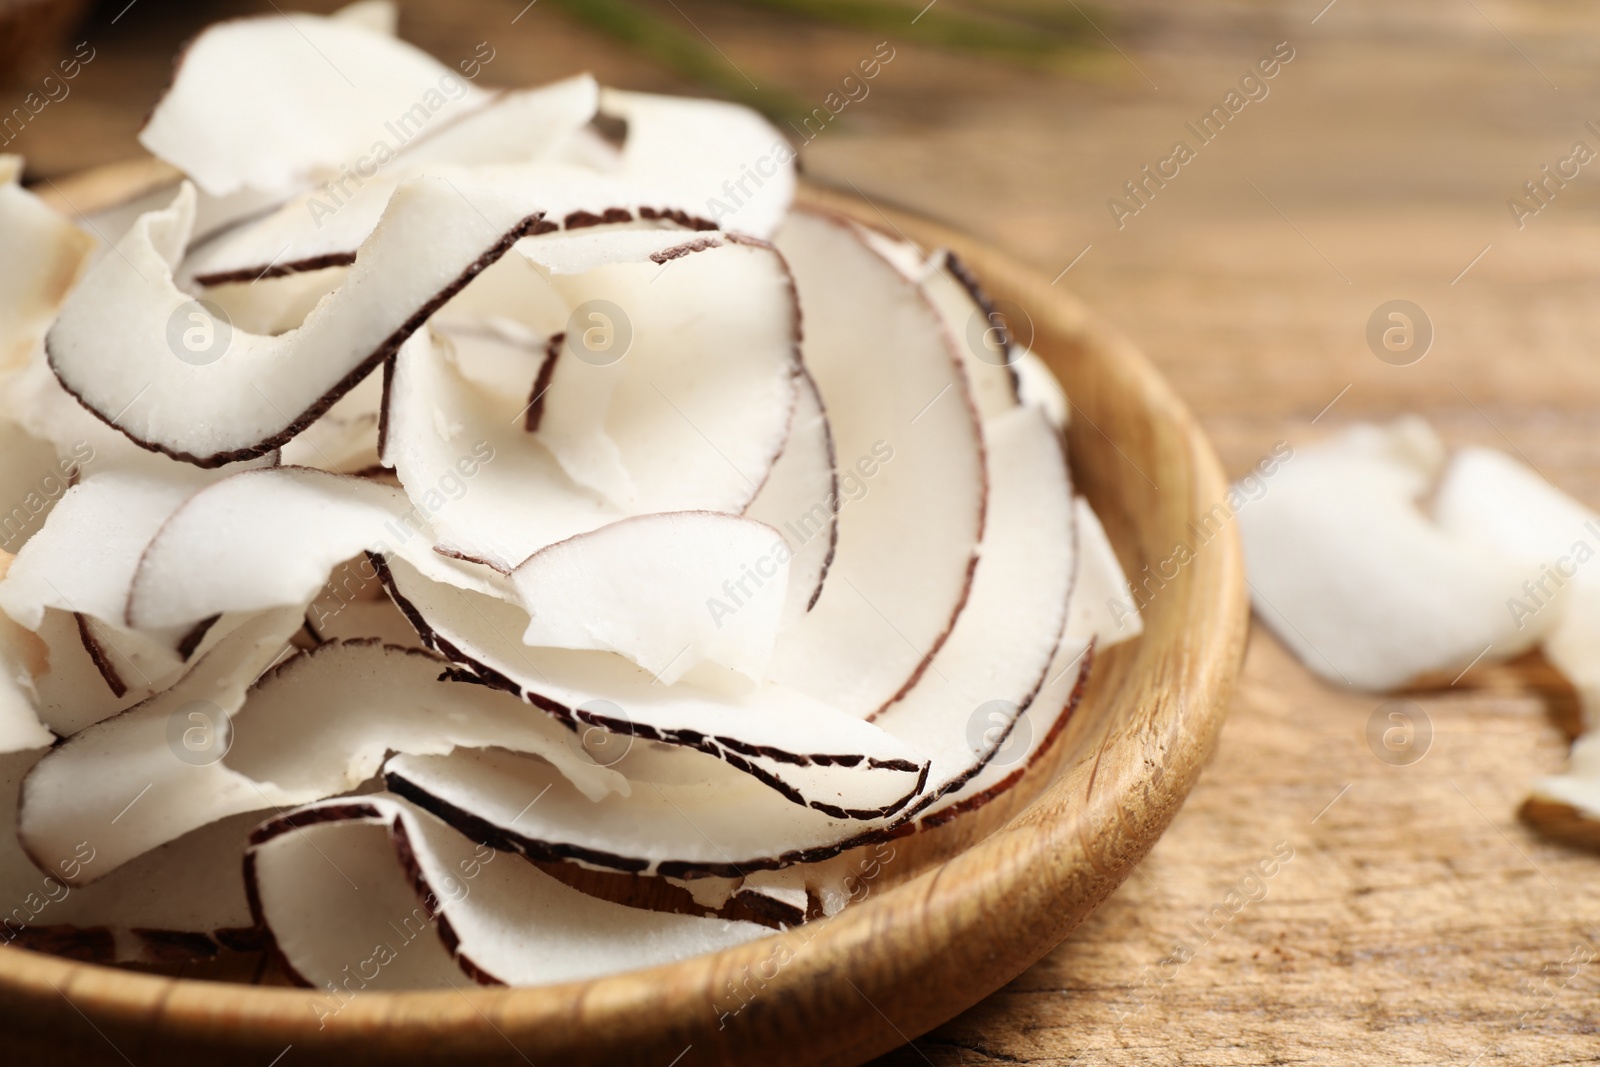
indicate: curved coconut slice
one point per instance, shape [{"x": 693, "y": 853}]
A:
[
  {"x": 182, "y": 901},
  {"x": 1104, "y": 608},
  {"x": 1031, "y": 738},
  {"x": 901, "y": 417},
  {"x": 723, "y": 823},
  {"x": 209, "y": 395},
  {"x": 34, "y": 399},
  {"x": 32, "y": 479},
  {"x": 1100, "y": 614},
  {"x": 1488, "y": 499},
  {"x": 337, "y": 84},
  {"x": 325, "y": 226},
  {"x": 687, "y": 817},
  {"x": 657, "y": 400},
  {"x": 651, "y": 588},
  {"x": 800, "y": 499},
  {"x": 44, "y": 255},
  {"x": 1354, "y": 578},
  {"x": 811, "y": 753},
  {"x": 977, "y": 327},
  {"x": 1037, "y": 385},
  {"x": 988, "y": 350},
  {"x": 33, "y": 897},
  {"x": 288, "y": 527},
  {"x": 441, "y": 429},
  {"x": 999, "y": 650},
  {"x": 95, "y": 670},
  {"x": 144, "y": 751},
  {"x": 668, "y": 403},
  {"x": 22, "y": 656},
  {"x": 129, "y": 658},
  {"x": 84, "y": 559},
  {"x": 407, "y": 894},
  {"x": 319, "y": 725},
  {"x": 72, "y": 693},
  {"x": 705, "y": 152}
]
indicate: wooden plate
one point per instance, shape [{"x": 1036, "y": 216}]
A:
[{"x": 944, "y": 923}]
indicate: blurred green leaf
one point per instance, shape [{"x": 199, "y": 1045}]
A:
[
  {"x": 1029, "y": 31},
  {"x": 957, "y": 28},
  {"x": 680, "y": 50}
]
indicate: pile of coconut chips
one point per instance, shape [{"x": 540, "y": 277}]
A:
[
  {"x": 1385, "y": 562},
  {"x": 521, "y": 494}
]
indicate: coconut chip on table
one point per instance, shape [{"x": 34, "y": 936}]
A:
[
  {"x": 1383, "y": 562},
  {"x": 538, "y": 519}
]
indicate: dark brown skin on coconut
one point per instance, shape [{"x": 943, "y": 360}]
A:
[
  {"x": 354, "y": 378},
  {"x": 576, "y": 220},
  {"x": 728, "y": 749},
  {"x": 405, "y": 857},
  {"x": 509, "y": 840}
]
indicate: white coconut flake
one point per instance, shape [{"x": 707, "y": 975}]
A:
[
  {"x": 1352, "y": 575},
  {"x": 84, "y": 559},
  {"x": 651, "y": 588},
  {"x": 902, "y": 420},
  {"x": 800, "y": 499},
  {"x": 337, "y": 83},
  {"x": 145, "y": 357},
  {"x": 434, "y": 900},
  {"x": 269, "y": 539},
  {"x": 319, "y": 725},
  {"x": 719, "y": 160},
  {"x": 1488, "y": 499},
  {"x": 44, "y": 255}
]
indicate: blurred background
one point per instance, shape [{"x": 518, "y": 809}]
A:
[{"x": 1419, "y": 921}]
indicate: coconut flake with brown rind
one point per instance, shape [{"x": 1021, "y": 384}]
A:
[
  {"x": 319, "y": 725},
  {"x": 289, "y": 527},
  {"x": 336, "y": 85},
  {"x": 1364, "y": 587},
  {"x": 812, "y": 754},
  {"x": 694, "y": 411},
  {"x": 433, "y": 900},
  {"x": 691, "y": 417},
  {"x": 800, "y": 499},
  {"x": 113, "y": 347},
  {"x": 708, "y": 156},
  {"x": 325, "y": 226},
  {"x": 649, "y": 588},
  {"x": 897, "y": 401},
  {"x": 687, "y": 816}
]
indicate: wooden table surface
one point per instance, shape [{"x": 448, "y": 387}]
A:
[{"x": 1417, "y": 921}]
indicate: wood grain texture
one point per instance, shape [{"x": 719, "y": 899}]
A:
[{"x": 926, "y": 942}]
